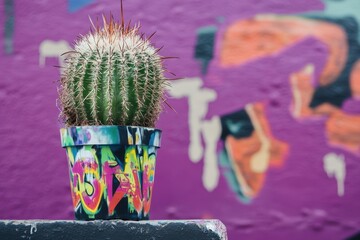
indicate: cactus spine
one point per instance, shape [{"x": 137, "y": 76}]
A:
[{"x": 114, "y": 76}]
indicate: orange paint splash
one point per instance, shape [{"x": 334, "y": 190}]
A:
[
  {"x": 242, "y": 151},
  {"x": 343, "y": 130},
  {"x": 267, "y": 35},
  {"x": 355, "y": 80}
]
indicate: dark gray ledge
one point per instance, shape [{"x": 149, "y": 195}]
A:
[{"x": 112, "y": 229}]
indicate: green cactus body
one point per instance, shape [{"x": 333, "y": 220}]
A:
[{"x": 113, "y": 77}]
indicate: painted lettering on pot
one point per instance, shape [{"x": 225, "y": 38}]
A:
[
  {"x": 101, "y": 176},
  {"x": 129, "y": 177},
  {"x": 86, "y": 180}
]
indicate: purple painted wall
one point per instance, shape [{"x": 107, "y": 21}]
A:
[{"x": 266, "y": 136}]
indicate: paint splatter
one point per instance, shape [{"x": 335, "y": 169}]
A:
[
  {"x": 76, "y": 5},
  {"x": 9, "y": 26},
  {"x": 204, "y": 49}
]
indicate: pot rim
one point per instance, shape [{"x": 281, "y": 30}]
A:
[{"x": 110, "y": 135}]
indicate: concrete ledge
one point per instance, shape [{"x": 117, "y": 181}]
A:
[{"x": 113, "y": 229}]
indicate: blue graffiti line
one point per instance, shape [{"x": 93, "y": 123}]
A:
[
  {"x": 75, "y": 5},
  {"x": 9, "y": 26}
]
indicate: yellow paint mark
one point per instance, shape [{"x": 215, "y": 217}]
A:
[
  {"x": 302, "y": 96},
  {"x": 89, "y": 189},
  {"x": 260, "y": 160},
  {"x": 70, "y": 155}
]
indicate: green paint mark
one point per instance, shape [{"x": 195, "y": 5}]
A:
[
  {"x": 107, "y": 156},
  {"x": 9, "y": 26},
  {"x": 67, "y": 139},
  {"x": 204, "y": 49}
]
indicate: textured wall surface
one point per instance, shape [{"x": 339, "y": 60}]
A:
[{"x": 266, "y": 136}]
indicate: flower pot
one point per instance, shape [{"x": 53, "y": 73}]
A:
[{"x": 111, "y": 170}]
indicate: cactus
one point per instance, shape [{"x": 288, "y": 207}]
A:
[{"x": 114, "y": 76}]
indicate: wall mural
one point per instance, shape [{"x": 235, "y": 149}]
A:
[{"x": 249, "y": 147}]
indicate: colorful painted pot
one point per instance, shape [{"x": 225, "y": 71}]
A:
[{"x": 111, "y": 170}]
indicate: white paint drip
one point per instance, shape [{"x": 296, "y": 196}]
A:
[
  {"x": 49, "y": 48},
  {"x": 334, "y": 166},
  {"x": 211, "y": 131},
  {"x": 198, "y": 100}
]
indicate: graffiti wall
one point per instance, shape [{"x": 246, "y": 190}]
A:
[{"x": 266, "y": 133}]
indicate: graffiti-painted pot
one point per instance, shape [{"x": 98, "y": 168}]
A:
[{"x": 111, "y": 170}]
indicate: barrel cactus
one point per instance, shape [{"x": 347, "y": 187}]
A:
[{"x": 114, "y": 76}]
